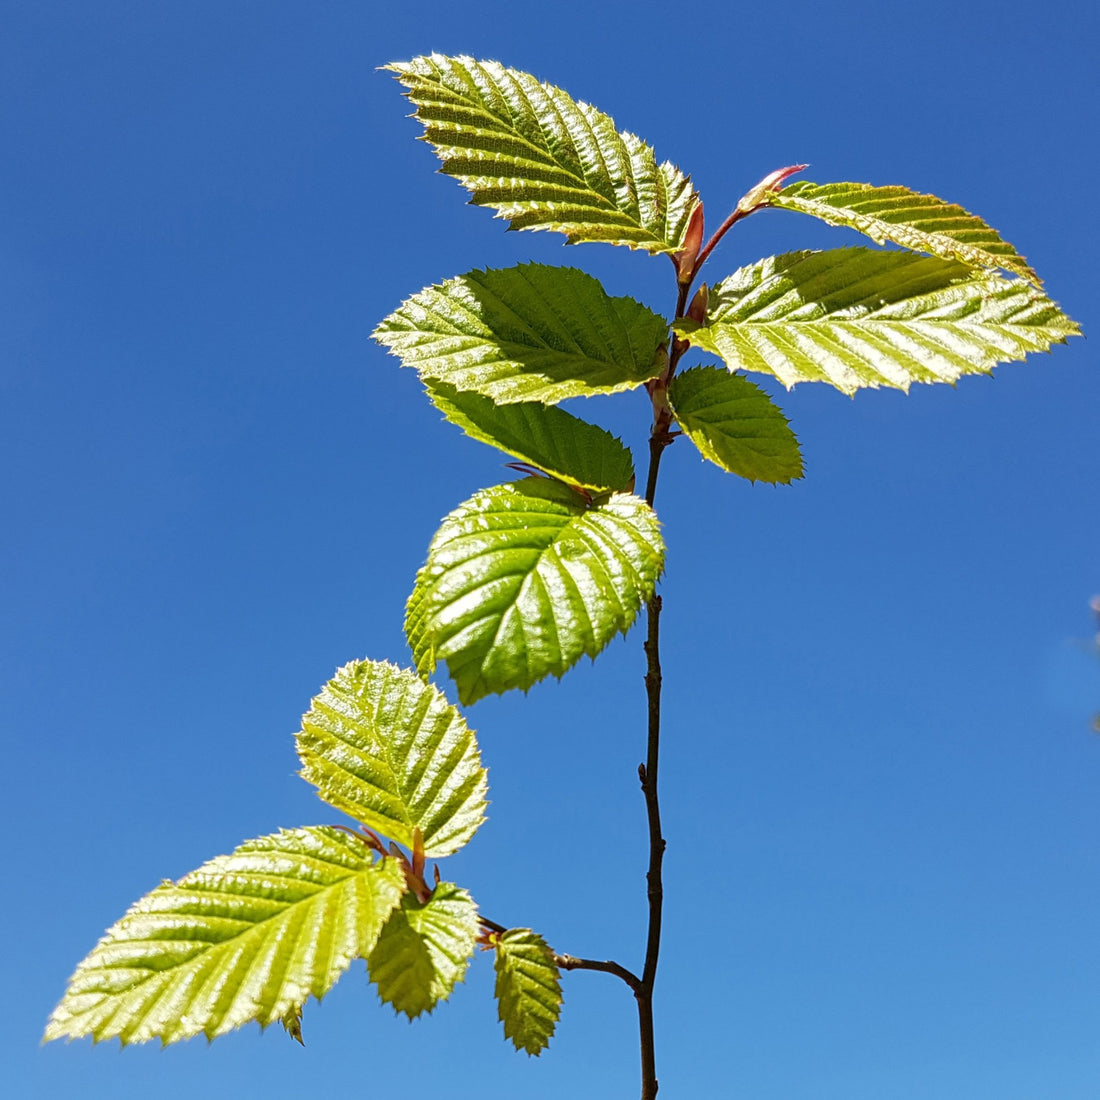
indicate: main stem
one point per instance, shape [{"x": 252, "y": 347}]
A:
[
  {"x": 659, "y": 439},
  {"x": 647, "y": 772}
]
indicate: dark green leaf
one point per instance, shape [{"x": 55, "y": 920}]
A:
[
  {"x": 545, "y": 437},
  {"x": 736, "y": 425}
]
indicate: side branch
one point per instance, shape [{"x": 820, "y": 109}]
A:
[{"x": 570, "y": 962}]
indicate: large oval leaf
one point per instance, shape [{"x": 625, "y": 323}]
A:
[
  {"x": 857, "y": 317},
  {"x": 920, "y": 222},
  {"x": 560, "y": 444},
  {"x": 524, "y": 579},
  {"x": 389, "y": 750},
  {"x": 526, "y": 333},
  {"x": 542, "y": 160},
  {"x": 248, "y": 936}
]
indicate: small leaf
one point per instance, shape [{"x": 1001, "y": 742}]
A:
[
  {"x": 922, "y": 223},
  {"x": 526, "y": 333},
  {"x": 248, "y": 936},
  {"x": 524, "y": 579},
  {"x": 736, "y": 425},
  {"x": 856, "y": 317},
  {"x": 424, "y": 950},
  {"x": 548, "y": 438},
  {"x": 543, "y": 160},
  {"x": 528, "y": 989},
  {"x": 388, "y": 749}
]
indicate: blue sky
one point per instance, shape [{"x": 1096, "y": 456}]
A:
[{"x": 880, "y": 791}]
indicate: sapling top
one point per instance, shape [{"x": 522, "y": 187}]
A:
[{"x": 525, "y": 578}]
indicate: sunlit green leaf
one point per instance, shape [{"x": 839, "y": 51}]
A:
[
  {"x": 857, "y": 317},
  {"x": 543, "y": 160},
  {"x": 923, "y": 223},
  {"x": 389, "y": 750},
  {"x": 526, "y": 333},
  {"x": 424, "y": 950},
  {"x": 548, "y": 438},
  {"x": 735, "y": 424},
  {"x": 524, "y": 579},
  {"x": 248, "y": 936},
  {"x": 528, "y": 989}
]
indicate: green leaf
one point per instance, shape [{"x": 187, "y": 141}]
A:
[
  {"x": 524, "y": 579},
  {"x": 543, "y": 160},
  {"x": 856, "y": 317},
  {"x": 248, "y": 936},
  {"x": 923, "y": 223},
  {"x": 388, "y": 749},
  {"x": 527, "y": 333},
  {"x": 550, "y": 439},
  {"x": 528, "y": 989},
  {"x": 424, "y": 950},
  {"x": 735, "y": 424}
]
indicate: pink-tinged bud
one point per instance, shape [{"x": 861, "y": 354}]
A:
[
  {"x": 771, "y": 183},
  {"x": 693, "y": 240},
  {"x": 697, "y": 311}
]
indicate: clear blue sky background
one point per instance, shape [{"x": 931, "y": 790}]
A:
[{"x": 881, "y": 794}]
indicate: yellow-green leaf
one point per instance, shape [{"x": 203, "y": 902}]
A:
[
  {"x": 543, "y": 160},
  {"x": 524, "y": 579},
  {"x": 248, "y": 936},
  {"x": 919, "y": 222},
  {"x": 392, "y": 752},
  {"x": 527, "y": 333},
  {"x": 528, "y": 989},
  {"x": 857, "y": 317}
]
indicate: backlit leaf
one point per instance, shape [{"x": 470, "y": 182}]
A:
[
  {"x": 389, "y": 750},
  {"x": 857, "y": 317},
  {"x": 526, "y": 333},
  {"x": 541, "y": 159},
  {"x": 524, "y": 579},
  {"x": 923, "y": 223},
  {"x": 248, "y": 936},
  {"x": 424, "y": 950},
  {"x": 528, "y": 989}
]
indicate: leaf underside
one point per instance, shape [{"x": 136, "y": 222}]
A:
[
  {"x": 424, "y": 950},
  {"x": 526, "y": 333},
  {"x": 524, "y": 579},
  {"x": 390, "y": 751},
  {"x": 735, "y": 425},
  {"x": 856, "y": 317},
  {"x": 248, "y": 936},
  {"x": 528, "y": 989},
  {"x": 541, "y": 159},
  {"x": 919, "y": 222},
  {"x": 548, "y": 438}
]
